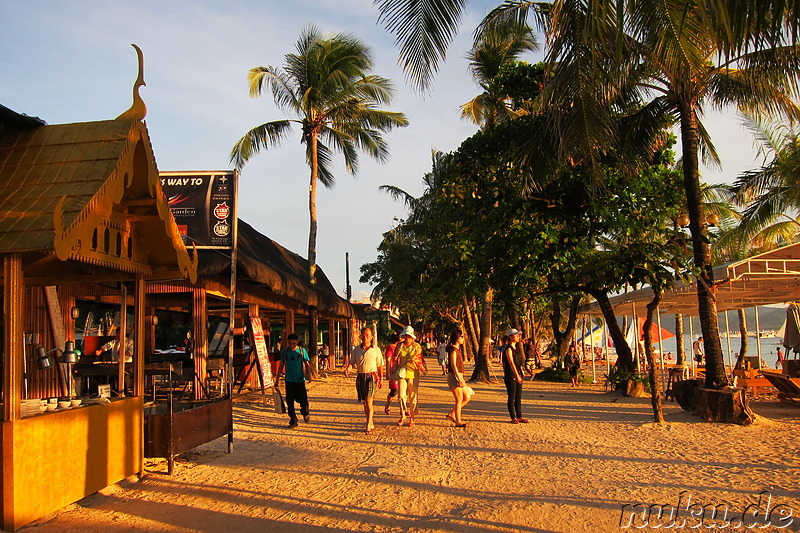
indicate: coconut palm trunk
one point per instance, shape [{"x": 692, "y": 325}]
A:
[
  {"x": 482, "y": 358},
  {"x": 680, "y": 349},
  {"x": 707, "y": 306}
]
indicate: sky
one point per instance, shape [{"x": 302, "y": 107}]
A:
[{"x": 71, "y": 61}]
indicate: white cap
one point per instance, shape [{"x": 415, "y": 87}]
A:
[
  {"x": 408, "y": 331},
  {"x": 512, "y": 331}
]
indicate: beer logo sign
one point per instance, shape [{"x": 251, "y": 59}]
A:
[
  {"x": 222, "y": 211},
  {"x": 221, "y": 229}
]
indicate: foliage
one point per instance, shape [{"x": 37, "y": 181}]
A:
[{"x": 618, "y": 377}]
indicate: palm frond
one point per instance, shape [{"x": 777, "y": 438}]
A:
[
  {"x": 423, "y": 30},
  {"x": 261, "y": 137},
  {"x": 398, "y": 194}
]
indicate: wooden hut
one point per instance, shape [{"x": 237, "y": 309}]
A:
[{"x": 79, "y": 203}]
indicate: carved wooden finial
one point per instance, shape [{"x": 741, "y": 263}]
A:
[{"x": 138, "y": 110}]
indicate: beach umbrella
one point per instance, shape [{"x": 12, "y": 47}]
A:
[
  {"x": 665, "y": 334},
  {"x": 791, "y": 337}
]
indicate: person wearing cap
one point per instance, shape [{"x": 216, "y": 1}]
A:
[
  {"x": 410, "y": 363},
  {"x": 513, "y": 361},
  {"x": 369, "y": 364}
]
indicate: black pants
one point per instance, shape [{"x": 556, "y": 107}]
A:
[
  {"x": 514, "y": 389},
  {"x": 296, "y": 392}
]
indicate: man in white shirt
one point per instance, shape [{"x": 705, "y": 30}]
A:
[{"x": 369, "y": 363}]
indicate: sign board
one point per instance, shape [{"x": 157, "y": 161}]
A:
[
  {"x": 202, "y": 203},
  {"x": 104, "y": 391},
  {"x": 260, "y": 347}
]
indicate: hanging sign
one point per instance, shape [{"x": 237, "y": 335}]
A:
[
  {"x": 202, "y": 204},
  {"x": 260, "y": 346}
]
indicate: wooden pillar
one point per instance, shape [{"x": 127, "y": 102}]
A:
[
  {"x": 141, "y": 324},
  {"x": 199, "y": 339},
  {"x": 13, "y": 343},
  {"x": 122, "y": 333},
  {"x": 332, "y": 342},
  {"x": 288, "y": 326},
  {"x": 149, "y": 330}
]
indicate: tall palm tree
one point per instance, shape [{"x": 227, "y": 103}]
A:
[
  {"x": 494, "y": 50},
  {"x": 328, "y": 86}
]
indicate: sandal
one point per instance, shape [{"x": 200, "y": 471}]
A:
[
  {"x": 450, "y": 417},
  {"x": 369, "y": 431},
  {"x": 411, "y": 423},
  {"x": 401, "y": 421},
  {"x": 461, "y": 425},
  {"x": 387, "y": 410}
]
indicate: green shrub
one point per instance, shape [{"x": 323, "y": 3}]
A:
[{"x": 554, "y": 375}]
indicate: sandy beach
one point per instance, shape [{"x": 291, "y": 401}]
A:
[{"x": 584, "y": 454}]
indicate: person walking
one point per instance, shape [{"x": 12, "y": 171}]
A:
[
  {"x": 513, "y": 361},
  {"x": 391, "y": 364},
  {"x": 295, "y": 362},
  {"x": 442, "y": 355},
  {"x": 455, "y": 377},
  {"x": 572, "y": 361},
  {"x": 369, "y": 363},
  {"x": 410, "y": 363},
  {"x": 698, "y": 351},
  {"x": 532, "y": 360}
]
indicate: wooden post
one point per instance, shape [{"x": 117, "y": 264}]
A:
[
  {"x": 122, "y": 333},
  {"x": 199, "y": 340},
  {"x": 13, "y": 309},
  {"x": 288, "y": 327},
  {"x": 332, "y": 343},
  {"x": 140, "y": 327}
]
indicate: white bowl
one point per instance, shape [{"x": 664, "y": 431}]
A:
[
  {"x": 75, "y": 403},
  {"x": 63, "y": 404},
  {"x": 51, "y": 406}
]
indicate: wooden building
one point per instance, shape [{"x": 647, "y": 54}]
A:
[{"x": 79, "y": 203}]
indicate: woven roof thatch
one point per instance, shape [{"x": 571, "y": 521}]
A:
[
  {"x": 62, "y": 184},
  {"x": 264, "y": 261}
]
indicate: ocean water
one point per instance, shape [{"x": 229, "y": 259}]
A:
[{"x": 768, "y": 347}]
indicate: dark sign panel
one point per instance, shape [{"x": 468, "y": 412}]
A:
[{"x": 202, "y": 204}]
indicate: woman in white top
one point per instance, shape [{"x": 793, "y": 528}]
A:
[{"x": 369, "y": 363}]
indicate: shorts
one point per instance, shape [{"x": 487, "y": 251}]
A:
[
  {"x": 452, "y": 381},
  {"x": 365, "y": 387}
]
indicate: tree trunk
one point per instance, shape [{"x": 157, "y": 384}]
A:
[
  {"x": 655, "y": 383},
  {"x": 313, "y": 317},
  {"x": 472, "y": 332},
  {"x": 707, "y": 306},
  {"x": 743, "y": 340},
  {"x": 680, "y": 351},
  {"x": 624, "y": 353},
  {"x": 563, "y": 338},
  {"x": 481, "y": 371}
]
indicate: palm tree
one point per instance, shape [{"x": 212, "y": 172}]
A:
[
  {"x": 327, "y": 85},
  {"x": 494, "y": 50},
  {"x": 771, "y": 194}
]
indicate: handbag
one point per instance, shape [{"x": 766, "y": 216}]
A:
[
  {"x": 399, "y": 373},
  {"x": 280, "y": 405}
]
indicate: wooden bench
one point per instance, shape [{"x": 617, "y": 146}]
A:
[{"x": 749, "y": 379}]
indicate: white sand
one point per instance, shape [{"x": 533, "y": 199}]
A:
[{"x": 584, "y": 454}]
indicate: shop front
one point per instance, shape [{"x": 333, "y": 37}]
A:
[{"x": 80, "y": 205}]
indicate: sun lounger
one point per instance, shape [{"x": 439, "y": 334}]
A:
[
  {"x": 749, "y": 380},
  {"x": 788, "y": 389}
]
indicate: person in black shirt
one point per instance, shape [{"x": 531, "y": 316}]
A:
[{"x": 513, "y": 361}]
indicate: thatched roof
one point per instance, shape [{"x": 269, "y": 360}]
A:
[
  {"x": 88, "y": 193},
  {"x": 263, "y": 261}
]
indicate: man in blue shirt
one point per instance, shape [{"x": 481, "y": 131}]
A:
[{"x": 295, "y": 361}]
